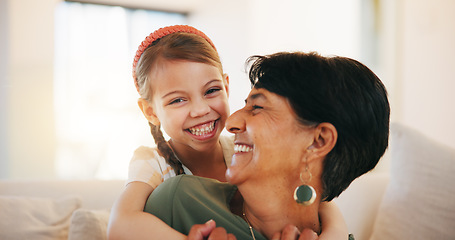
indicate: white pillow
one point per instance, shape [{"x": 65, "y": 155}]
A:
[
  {"x": 419, "y": 202},
  {"x": 89, "y": 224},
  {"x": 36, "y": 218}
]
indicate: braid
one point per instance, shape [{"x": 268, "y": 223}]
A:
[{"x": 165, "y": 150}]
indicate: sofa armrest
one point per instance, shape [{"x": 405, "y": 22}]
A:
[{"x": 95, "y": 194}]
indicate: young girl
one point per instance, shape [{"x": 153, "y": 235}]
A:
[{"x": 184, "y": 91}]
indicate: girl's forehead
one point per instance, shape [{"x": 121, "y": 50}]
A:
[{"x": 183, "y": 75}]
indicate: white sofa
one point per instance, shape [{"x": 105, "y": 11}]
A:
[{"x": 419, "y": 202}]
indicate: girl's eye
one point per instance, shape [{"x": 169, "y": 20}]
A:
[
  {"x": 212, "y": 90},
  {"x": 177, "y": 100}
]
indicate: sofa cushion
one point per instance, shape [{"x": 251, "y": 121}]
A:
[
  {"x": 36, "y": 218},
  {"x": 88, "y": 224},
  {"x": 419, "y": 202}
]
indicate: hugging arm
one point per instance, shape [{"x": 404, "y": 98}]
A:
[
  {"x": 332, "y": 224},
  {"x": 332, "y": 221},
  {"x": 210, "y": 231},
  {"x": 129, "y": 221}
]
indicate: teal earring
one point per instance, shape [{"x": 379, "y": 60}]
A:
[{"x": 305, "y": 194}]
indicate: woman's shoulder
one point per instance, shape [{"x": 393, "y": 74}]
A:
[
  {"x": 195, "y": 187},
  {"x": 192, "y": 182}
]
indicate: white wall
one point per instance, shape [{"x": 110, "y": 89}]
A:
[
  {"x": 242, "y": 28},
  {"x": 29, "y": 108},
  {"x": 4, "y": 45},
  {"x": 416, "y": 40},
  {"x": 417, "y": 49},
  {"x": 226, "y": 23},
  {"x": 426, "y": 67}
]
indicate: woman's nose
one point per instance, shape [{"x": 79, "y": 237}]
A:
[
  {"x": 235, "y": 123},
  {"x": 199, "y": 108}
]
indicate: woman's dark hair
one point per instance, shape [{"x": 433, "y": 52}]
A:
[{"x": 337, "y": 90}]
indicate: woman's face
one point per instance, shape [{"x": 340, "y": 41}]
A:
[{"x": 269, "y": 142}]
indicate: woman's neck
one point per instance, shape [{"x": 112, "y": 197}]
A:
[{"x": 269, "y": 212}]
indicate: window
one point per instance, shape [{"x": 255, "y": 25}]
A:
[{"x": 98, "y": 123}]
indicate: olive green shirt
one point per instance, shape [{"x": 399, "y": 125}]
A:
[{"x": 185, "y": 200}]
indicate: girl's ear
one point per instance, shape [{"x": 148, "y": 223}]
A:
[
  {"x": 148, "y": 111},
  {"x": 325, "y": 138},
  {"x": 226, "y": 83}
]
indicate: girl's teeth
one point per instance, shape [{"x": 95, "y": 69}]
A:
[{"x": 203, "y": 130}]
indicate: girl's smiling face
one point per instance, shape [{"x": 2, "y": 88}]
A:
[{"x": 190, "y": 101}]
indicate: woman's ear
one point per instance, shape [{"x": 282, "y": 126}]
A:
[
  {"x": 325, "y": 138},
  {"x": 226, "y": 83},
  {"x": 148, "y": 111}
]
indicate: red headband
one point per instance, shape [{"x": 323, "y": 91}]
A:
[{"x": 159, "y": 34}]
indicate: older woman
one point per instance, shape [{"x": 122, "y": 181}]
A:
[{"x": 310, "y": 126}]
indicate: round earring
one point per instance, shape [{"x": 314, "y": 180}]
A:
[{"x": 305, "y": 194}]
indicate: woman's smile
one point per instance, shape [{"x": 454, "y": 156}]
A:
[{"x": 242, "y": 148}]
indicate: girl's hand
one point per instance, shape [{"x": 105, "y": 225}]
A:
[
  {"x": 290, "y": 232},
  {"x": 209, "y": 231}
]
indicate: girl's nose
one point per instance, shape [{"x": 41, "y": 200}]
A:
[
  {"x": 235, "y": 123},
  {"x": 199, "y": 108}
]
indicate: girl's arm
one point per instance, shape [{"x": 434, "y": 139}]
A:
[
  {"x": 129, "y": 221},
  {"x": 333, "y": 228},
  {"x": 332, "y": 221}
]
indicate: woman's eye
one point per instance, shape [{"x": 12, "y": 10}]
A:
[
  {"x": 212, "y": 90},
  {"x": 256, "y": 107}
]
